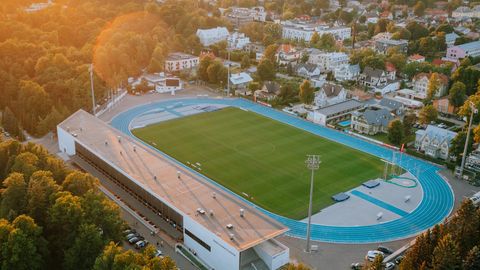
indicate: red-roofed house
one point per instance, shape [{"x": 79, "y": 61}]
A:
[
  {"x": 391, "y": 70},
  {"x": 416, "y": 58},
  {"x": 287, "y": 53}
]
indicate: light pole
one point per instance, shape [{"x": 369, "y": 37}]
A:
[
  {"x": 474, "y": 111},
  {"x": 313, "y": 162},
  {"x": 228, "y": 79},
  {"x": 91, "y": 89}
]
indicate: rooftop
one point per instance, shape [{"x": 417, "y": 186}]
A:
[
  {"x": 347, "y": 105},
  {"x": 186, "y": 195},
  {"x": 180, "y": 56}
]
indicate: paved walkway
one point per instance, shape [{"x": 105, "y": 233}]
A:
[{"x": 434, "y": 208}]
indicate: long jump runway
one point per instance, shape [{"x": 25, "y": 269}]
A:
[{"x": 438, "y": 198}]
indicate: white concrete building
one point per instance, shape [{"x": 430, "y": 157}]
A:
[
  {"x": 301, "y": 30},
  {"x": 334, "y": 113},
  {"x": 237, "y": 41},
  {"x": 239, "y": 16},
  {"x": 465, "y": 50},
  {"x": 466, "y": 12},
  {"x": 329, "y": 61},
  {"x": 180, "y": 61},
  {"x": 220, "y": 228},
  {"x": 211, "y": 36}
]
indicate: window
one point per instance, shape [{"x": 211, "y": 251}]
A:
[{"x": 198, "y": 240}]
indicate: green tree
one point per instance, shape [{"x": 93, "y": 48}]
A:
[
  {"x": 270, "y": 53},
  {"x": 13, "y": 196},
  {"x": 419, "y": 9},
  {"x": 457, "y": 94},
  {"x": 205, "y": 62},
  {"x": 25, "y": 247},
  {"x": 428, "y": 114},
  {"x": 408, "y": 121},
  {"x": 266, "y": 70},
  {"x": 465, "y": 227},
  {"x": 106, "y": 260},
  {"x": 396, "y": 132},
  {"x": 86, "y": 248},
  {"x": 377, "y": 263},
  {"x": 40, "y": 195},
  {"x": 472, "y": 261},
  {"x": 446, "y": 254},
  {"x": 25, "y": 163},
  {"x": 314, "y": 41},
  {"x": 245, "y": 61},
  {"x": 458, "y": 143},
  {"x": 306, "y": 93},
  {"x": 433, "y": 86},
  {"x": 79, "y": 183},
  {"x": 11, "y": 124}
]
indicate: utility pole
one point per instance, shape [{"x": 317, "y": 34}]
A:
[
  {"x": 228, "y": 79},
  {"x": 313, "y": 162},
  {"x": 474, "y": 111},
  {"x": 92, "y": 90}
]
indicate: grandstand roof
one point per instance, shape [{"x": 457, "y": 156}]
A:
[{"x": 186, "y": 195}]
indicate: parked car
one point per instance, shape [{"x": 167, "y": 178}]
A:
[
  {"x": 356, "y": 266},
  {"x": 135, "y": 239},
  {"x": 128, "y": 231},
  {"x": 132, "y": 235},
  {"x": 372, "y": 254},
  {"x": 158, "y": 253},
  {"x": 399, "y": 259},
  {"x": 389, "y": 266},
  {"x": 141, "y": 244},
  {"x": 385, "y": 249}
]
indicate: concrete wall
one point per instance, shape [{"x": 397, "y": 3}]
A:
[
  {"x": 274, "y": 261},
  {"x": 66, "y": 142},
  {"x": 221, "y": 255}
]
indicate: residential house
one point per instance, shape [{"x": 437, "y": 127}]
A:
[
  {"x": 393, "y": 106},
  {"x": 416, "y": 58},
  {"x": 304, "y": 30},
  {"x": 286, "y": 54},
  {"x": 330, "y": 94},
  {"x": 465, "y": 50},
  {"x": 328, "y": 61},
  {"x": 180, "y": 61},
  {"x": 347, "y": 72},
  {"x": 237, "y": 41},
  {"x": 443, "y": 106},
  {"x": 434, "y": 141},
  {"x": 382, "y": 45},
  {"x": 421, "y": 83},
  {"x": 371, "y": 121},
  {"x": 240, "y": 80},
  {"x": 381, "y": 81},
  {"x": 211, "y": 36},
  {"x": 269, "y": 91},
  {"x": 450, "y": 39},
  {"x": 307, "y": 70}
]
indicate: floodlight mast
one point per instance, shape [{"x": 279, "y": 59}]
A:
[
  {"x": 92, "y": 90},
  {"x": 313, "y": 163},
  {"x": 473, "y": 110}
]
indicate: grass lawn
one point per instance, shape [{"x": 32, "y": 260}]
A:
[{"x": 249, "y": 153}]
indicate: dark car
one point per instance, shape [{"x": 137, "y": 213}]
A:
[
  {"x": 135, "y": 240},
  {"x": 385, "y": 250},
  {"x": 132, "y": 235},
  {"x": 356, "y": 266},
  {"x": 128, "y": 231},
  {"x": 399, "y": 259}
]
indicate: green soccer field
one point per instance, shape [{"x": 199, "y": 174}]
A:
[{"x": 249, "y": 153}]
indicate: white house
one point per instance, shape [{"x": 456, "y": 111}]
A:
[
  {"x": 421, "y": 83},
  {"x": 239, "y": 16},
  {"x": 180, "y": 61},
  {"x": 434, "y": 141},
  {"x": 381, "y": 81},
  {"x": 240, "y": 80},
  {"x": 347, "y": 72},
  {"x": 213, "y": 35},
  {"x": 330, "y": 94},
  {"x": 328, "y": 61},
  {"x": 237, "y": 41},
  {"x": 466, "y": 12},
  {"x": 304, "y": 30},
  {"x": 307, "y": 70}
]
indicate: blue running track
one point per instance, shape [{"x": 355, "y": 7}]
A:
[{"x": 437, "y": 200}]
